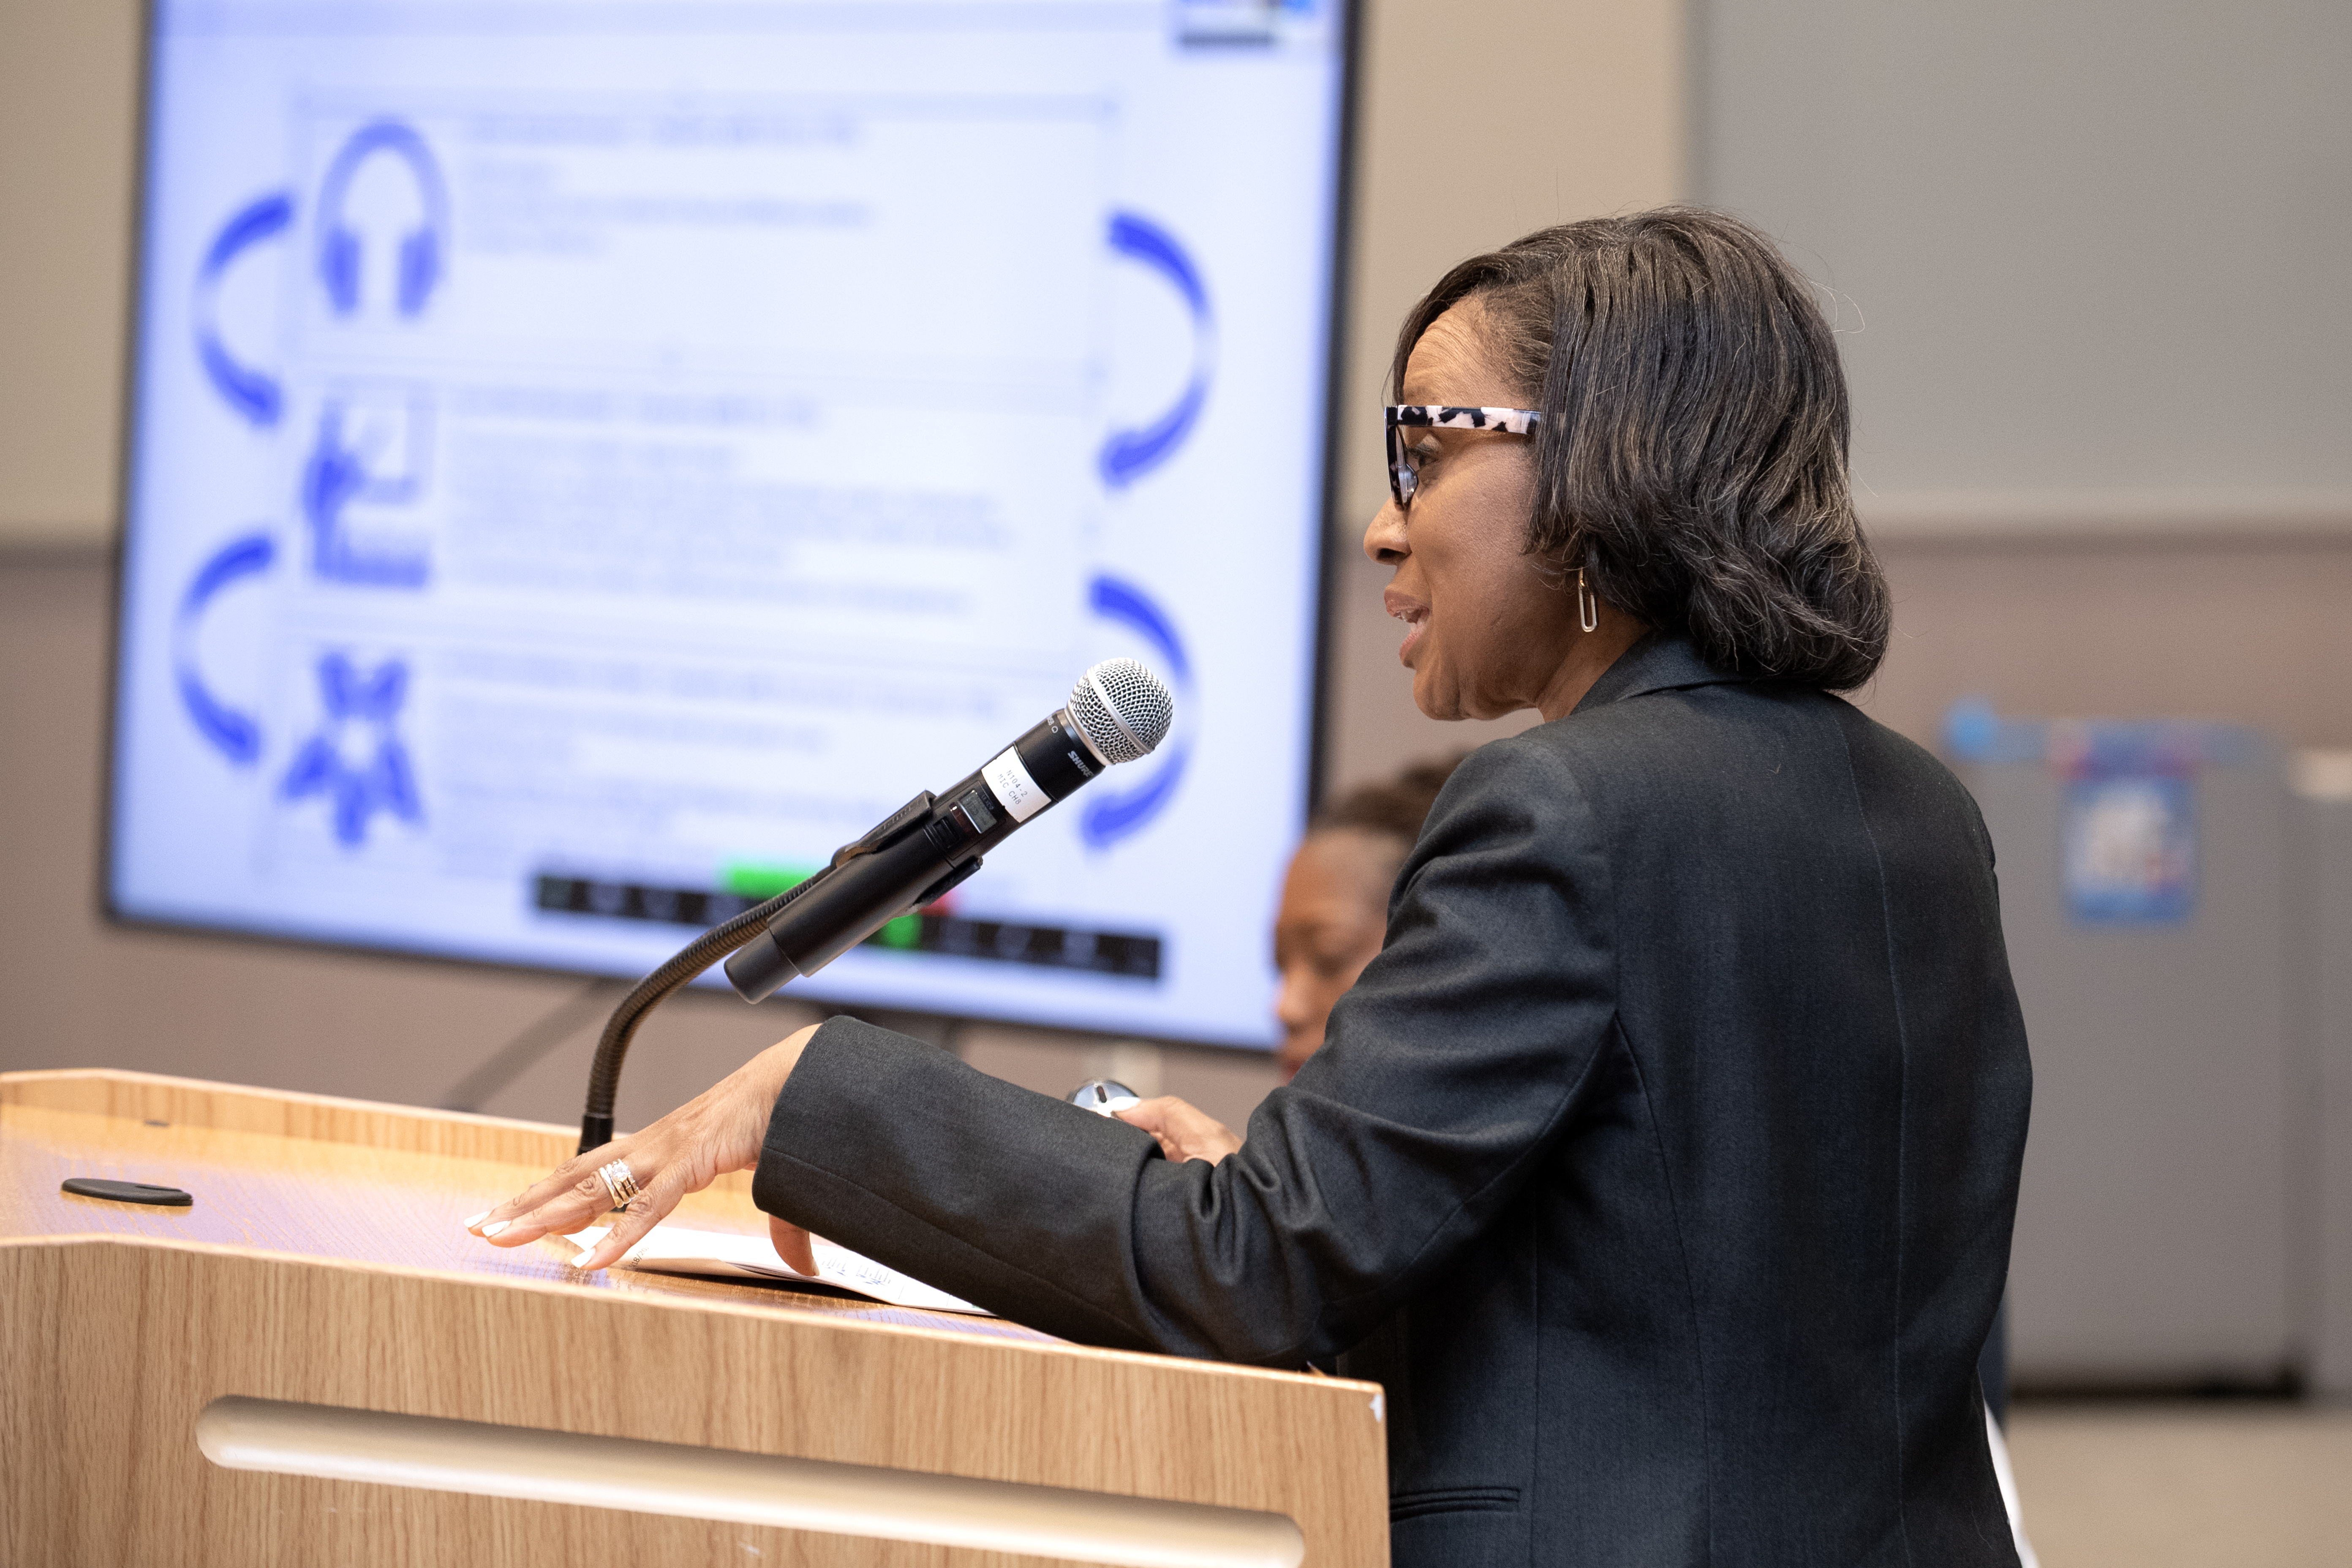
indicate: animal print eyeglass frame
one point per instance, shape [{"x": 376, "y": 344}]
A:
[{"x": 1404, "y": 474}]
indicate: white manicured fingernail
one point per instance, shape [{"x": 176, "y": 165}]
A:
[
  {"x": 585, "y": 1254},
  {"x": 496, "y": 1227},
  {"x": 474, "y": 1219}
]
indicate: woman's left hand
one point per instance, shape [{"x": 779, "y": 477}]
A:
[
  {"x": 717, "y": 1131},
  {"x": 1184, "y": 1130}
]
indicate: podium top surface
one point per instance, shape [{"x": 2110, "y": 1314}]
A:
[
  {"x": 322, "y": 1272},
  {"x": 345, "y": 1180}
]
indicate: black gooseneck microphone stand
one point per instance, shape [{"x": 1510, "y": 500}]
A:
[
  {"x": 613, "y": 1046},
  {"x": 854, "y": 924},
  {"x": 1118, "y": 713}
]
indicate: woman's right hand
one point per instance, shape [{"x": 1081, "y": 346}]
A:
[
  {"x": 1184, "y": 1131},
  {"x": 718, "y": 1130}
]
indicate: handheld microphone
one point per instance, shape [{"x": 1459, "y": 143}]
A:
[{"x": 1117, "y": 711}]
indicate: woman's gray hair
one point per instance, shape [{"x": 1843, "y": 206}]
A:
[{"x": 1692, "y": 458}]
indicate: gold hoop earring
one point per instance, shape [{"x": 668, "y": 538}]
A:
[{"x": 1588, "y": 605}]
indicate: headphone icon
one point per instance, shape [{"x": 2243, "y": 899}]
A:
[{"x": 340, "y": 247}]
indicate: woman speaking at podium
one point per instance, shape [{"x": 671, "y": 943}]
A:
[{"x": 1662, "y": 1165}]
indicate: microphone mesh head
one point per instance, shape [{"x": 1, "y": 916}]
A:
[{"x": 1123, "y": 708}]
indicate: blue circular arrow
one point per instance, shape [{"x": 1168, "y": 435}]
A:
[
  {"x": 236, "y": 736},
  {"x": 254, "y": 393},
  {"x": 1111, "y": 816},
  {"x": 1129, "y": 455}
]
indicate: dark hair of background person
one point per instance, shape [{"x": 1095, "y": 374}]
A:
[
  {"x": 1395, "y": 807},
  {"x": 1692, "y": 456}
]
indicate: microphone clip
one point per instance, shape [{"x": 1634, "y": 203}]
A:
[{"x": 888, "y": 831}]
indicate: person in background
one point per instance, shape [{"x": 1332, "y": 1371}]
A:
[
  {"x": 1333, "y": 918},
  {"x": 1335, "y": 899}
]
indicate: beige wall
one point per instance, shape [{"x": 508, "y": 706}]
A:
[
  {"x": 2087, "y": 254},
  {"x": 2252, "y": 630},
  {"x": 68, "y": 90},
  {"x": 1960, "y": 176}
]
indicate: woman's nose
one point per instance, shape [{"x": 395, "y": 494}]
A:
[
  {"x": 1384, "y": 535},
  {"x": 1292, "y": 1004}
]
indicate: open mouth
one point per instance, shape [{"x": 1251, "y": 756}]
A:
[
  {"x": 1413, "y": 613},
  {"x": 1416, "y": 620}
]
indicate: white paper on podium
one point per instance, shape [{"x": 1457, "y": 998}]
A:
[{"x": 722, "y": 1255}]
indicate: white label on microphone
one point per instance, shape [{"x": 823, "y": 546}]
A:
[{"x": 1014, "y": 787}]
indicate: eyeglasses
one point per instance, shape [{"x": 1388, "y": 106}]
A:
[{"x": 1404, "y": 469}]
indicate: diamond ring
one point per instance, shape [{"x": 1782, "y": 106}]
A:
[{"x": 619, "y": 1182}]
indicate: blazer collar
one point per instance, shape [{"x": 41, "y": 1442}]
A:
[{"x": 1661, "y": 661}]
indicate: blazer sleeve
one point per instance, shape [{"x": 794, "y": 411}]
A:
[{"x": 1448, "y": 1071}]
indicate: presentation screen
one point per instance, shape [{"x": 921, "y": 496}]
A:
[{"x": 589, "y": 460}]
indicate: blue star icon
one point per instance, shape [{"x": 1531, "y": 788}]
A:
[{"x": 359, "y": 707}]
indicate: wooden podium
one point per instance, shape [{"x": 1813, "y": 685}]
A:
[{"x": 315, "y": 1364}]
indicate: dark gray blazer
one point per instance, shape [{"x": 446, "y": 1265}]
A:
[{"x": 1661, "y": 1167}]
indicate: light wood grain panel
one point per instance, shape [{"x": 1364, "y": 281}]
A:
[
  {"x": 152, "y": 1097},
  {"x": 140, "y": 1096},
  {"x": 348, "y": 1201},
  {"x": 682, "y": 1480},
  {"x": 330, "y": 1270},
  {"x": 316, "y": 1117},
  {"x": 121, "y": 1343}
]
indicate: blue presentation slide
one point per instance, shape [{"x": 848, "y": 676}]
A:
[{"x": 591, "y": 459}]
